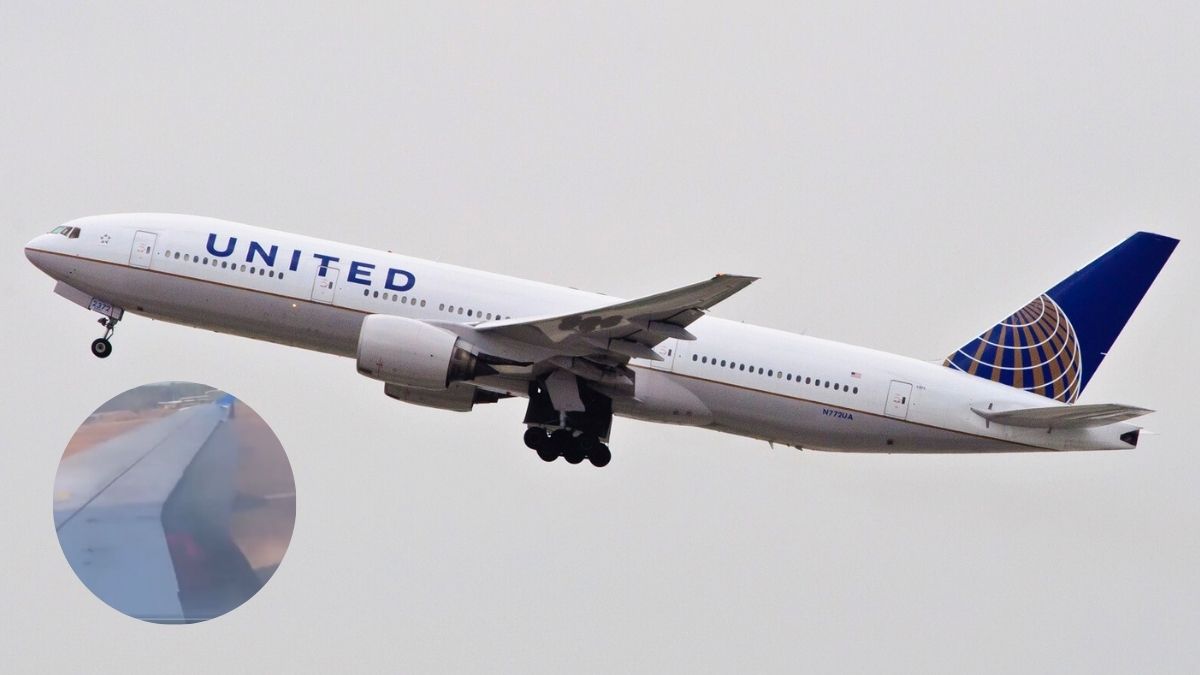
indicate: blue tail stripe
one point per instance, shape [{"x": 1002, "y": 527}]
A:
[
  {"x": 1101, "y": 297},
  {"x": 1064, "y": 334}
]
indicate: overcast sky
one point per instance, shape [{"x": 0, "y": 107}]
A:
[{"x": 900, "y": 177}]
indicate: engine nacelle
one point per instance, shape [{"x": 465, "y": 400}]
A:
[
  {"x": 458, "y": 397},
  {"x": 412, "y": 353}
]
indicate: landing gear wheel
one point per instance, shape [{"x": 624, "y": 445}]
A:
[
  {"x": 600, "y": 455},
  {"x": 547, "y": 453},
  {"x": 586, "y": 443},
  {"x": 101, "y": 348},
  {"x": 535, "y": 438},
  {"x": 565, "y": 443}
]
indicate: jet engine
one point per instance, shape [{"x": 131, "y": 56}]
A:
[
  {"x": 414, "y": 354},
  {"x": 459, "y": 397}
]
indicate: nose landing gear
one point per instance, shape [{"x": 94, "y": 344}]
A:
[{"x": 101, "y": 347}]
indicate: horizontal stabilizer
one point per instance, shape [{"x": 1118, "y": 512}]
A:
[{"x": 1064, "y": 416}]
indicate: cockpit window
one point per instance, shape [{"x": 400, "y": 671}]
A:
[{"x": 68, "y": 232}]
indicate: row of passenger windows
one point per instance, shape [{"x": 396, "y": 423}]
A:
[
  {"x": 263, "y": 271},
  {"x": 777, "y": 374},
  {"x": 225, "y": 264},
  {"x": 394, "y": 297},
  {"x": 404, "y": 300}
]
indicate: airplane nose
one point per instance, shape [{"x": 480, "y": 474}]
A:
[{"x": 36, "y": 251}]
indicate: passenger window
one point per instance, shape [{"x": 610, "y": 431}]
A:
[
  {"x": 377, "y": 294},
  {"x": 760, "y": 371},
  {"x": 856, "y": 390},
  {"x": 422, "y": 303},
  {"x": 262, "y": 271},
  {"x": 836, "y": 386},
  {"x": 695, "y": 357},
  {"x": 826, "y": 384},
  {"x": 252, "y": 270},
  {"x": 366, "y": 292},
  {"x": 272, "y": 274},
  {"x": 441, "y": 307},
  {"x": 224, "y": 264},
  {"x": 279, "y": 276},
  {"x": 742, "y": 367},
  {"x": 460, "y": 310},
  {"x": 205, "y": 260},
  {"x": 404, "y": 300}
]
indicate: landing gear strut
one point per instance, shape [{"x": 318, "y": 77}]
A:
[{"x": 101, "y": 347}]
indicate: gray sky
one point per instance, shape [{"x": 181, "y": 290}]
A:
[{"x": 900, "y": 177}]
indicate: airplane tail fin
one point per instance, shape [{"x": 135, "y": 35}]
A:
[{"x": 1053, "y": 345}]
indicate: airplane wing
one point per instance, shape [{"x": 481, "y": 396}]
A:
[
  {"x": 1064, "y": 416},
  {"x": 624, "y": 330},
  {"x": 118, "y": 509}
]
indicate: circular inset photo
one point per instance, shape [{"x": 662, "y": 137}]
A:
[{"x": 174, "y": 502}]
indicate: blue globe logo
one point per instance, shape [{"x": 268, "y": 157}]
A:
[{"x": 1035, "y": 349}]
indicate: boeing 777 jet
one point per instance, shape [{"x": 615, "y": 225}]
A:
[{"x": 449, "y": 337}]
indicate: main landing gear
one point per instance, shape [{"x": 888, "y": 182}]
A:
[
  {"x": 568, "y": 444},
  {"x": 576, "y": 434},
  {"x": 101, "y": 347}
]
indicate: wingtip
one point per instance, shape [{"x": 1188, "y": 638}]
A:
[{"x": 740, "y": 277}]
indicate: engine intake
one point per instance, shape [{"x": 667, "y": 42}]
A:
[{"x": 413, "y": 353}]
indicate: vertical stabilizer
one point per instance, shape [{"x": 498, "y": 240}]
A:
[{"x": 1053, "y": 345}]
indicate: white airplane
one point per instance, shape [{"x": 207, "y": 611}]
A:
[{"x": 450, "y": 337}]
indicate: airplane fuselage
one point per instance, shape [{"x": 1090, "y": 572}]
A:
[{"x": 737, "y": 378}]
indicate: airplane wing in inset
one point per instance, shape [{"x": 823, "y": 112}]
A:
[{"x": 127, "y": 512}]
